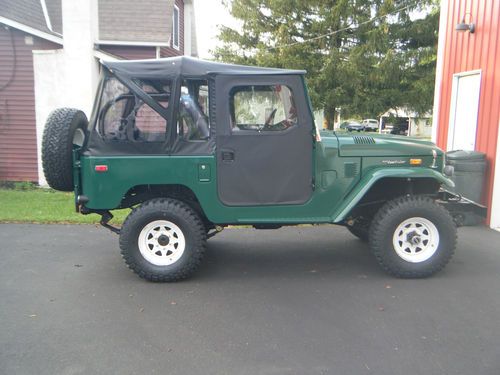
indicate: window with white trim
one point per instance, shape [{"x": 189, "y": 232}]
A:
[{"x": 176, "y": 28}]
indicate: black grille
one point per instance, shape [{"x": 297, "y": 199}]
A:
[
  {"x": 363, "y": 139},
  {"x": 350, "y": 169}
]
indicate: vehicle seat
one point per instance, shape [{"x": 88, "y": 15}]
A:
[{"x": 196, "y": 120}]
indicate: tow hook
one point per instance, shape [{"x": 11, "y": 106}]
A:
[
  {"x": 106, "y": 216},
  {"x": 216, "y": 230}
]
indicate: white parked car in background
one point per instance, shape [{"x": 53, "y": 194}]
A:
[{"x": 370, "y": 124}]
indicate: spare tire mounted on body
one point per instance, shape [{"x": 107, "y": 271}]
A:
[{"x": 65, "y": 127}]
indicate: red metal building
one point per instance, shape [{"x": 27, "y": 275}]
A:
[{"x": 467, "y": 95}]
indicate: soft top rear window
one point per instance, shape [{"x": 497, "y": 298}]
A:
[{"x": 124, "y": 117}]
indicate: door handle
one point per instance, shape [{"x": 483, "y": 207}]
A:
[{"x": 227, "y": 156}]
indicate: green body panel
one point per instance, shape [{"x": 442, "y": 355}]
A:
[
  {"x": 343, "y": 172},
  {"x": 385, "y": 145},
  {"x": 373, "y": 175},
  {"x": 105, "y": 190}
]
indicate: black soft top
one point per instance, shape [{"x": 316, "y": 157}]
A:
[{"x": 186, "y": 66}]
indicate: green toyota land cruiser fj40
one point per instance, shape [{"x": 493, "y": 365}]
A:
[{"x": 194, "y": 146}]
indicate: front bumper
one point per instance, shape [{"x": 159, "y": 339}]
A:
[{"x": 463, "y": 210}]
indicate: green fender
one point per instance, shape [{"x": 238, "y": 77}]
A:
[{"x": 373, "y": 176}]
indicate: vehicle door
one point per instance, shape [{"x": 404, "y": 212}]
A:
[{"x": 264, "y": 140}]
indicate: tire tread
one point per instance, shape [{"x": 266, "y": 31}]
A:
[
  {"x": 57, "y": 139},
  {"x": 175, "y": 207},
  {"x": 379, "y": 230}
]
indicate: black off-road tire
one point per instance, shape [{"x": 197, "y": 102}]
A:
[
  {"x": 57, "y": 146},
  {"x": 359, "y": 231},
  {"x": 173, "y": 211},
  {"x": 389, "y": 218}
]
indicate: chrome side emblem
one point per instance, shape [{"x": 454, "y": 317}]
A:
[{"x": 390, "y": 162}]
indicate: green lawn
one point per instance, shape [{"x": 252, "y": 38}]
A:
[{"x": 45, "y": 206}]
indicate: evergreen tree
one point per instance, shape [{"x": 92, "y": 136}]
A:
[{"x": 362, "y": 56}]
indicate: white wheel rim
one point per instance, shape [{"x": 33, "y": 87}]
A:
[
  {"x": 79, "y": 137},
  {"x": 416, "y": 239},
  {"x": 161, "y": 243}
]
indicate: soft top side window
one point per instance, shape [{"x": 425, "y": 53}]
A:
[
  {"x": 123, "y": 117},
  {"x": 262, "y": 108},
  {"x": 193, "y": 120}
]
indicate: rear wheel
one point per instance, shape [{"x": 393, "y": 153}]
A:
[
  {"x": 163, "y": 240},
  {"x": 64, "y": 129},
  {"x": 412, "y": 237}
]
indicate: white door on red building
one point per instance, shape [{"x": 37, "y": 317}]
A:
[{"x": 463, "y": 110}]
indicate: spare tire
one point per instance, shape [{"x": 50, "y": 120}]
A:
[{"x": 64, "y": 128}]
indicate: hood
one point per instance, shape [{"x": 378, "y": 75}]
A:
[{"x": 380, "y": 145}]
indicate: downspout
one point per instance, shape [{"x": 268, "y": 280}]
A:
[
  {"x": 12, "y": 75},
  {"x": 47, "y": 18}
]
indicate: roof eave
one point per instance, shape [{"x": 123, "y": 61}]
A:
[
  {"x": 105, "y": 56},
  {"x": 131, "y": 43},
  {"x": 30, "y": 30}
]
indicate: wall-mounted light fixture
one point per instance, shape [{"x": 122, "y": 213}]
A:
[{"x": 463, "y": 26}]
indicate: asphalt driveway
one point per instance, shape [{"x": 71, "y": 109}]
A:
[{"x": 307, "y": 300}]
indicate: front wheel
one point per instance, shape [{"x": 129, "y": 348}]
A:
[
  {"x": 163, "y": 240},
  {"x": 412, "y": 237}
]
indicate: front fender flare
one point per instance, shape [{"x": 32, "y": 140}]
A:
[{"x": 369, "y": 179}]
